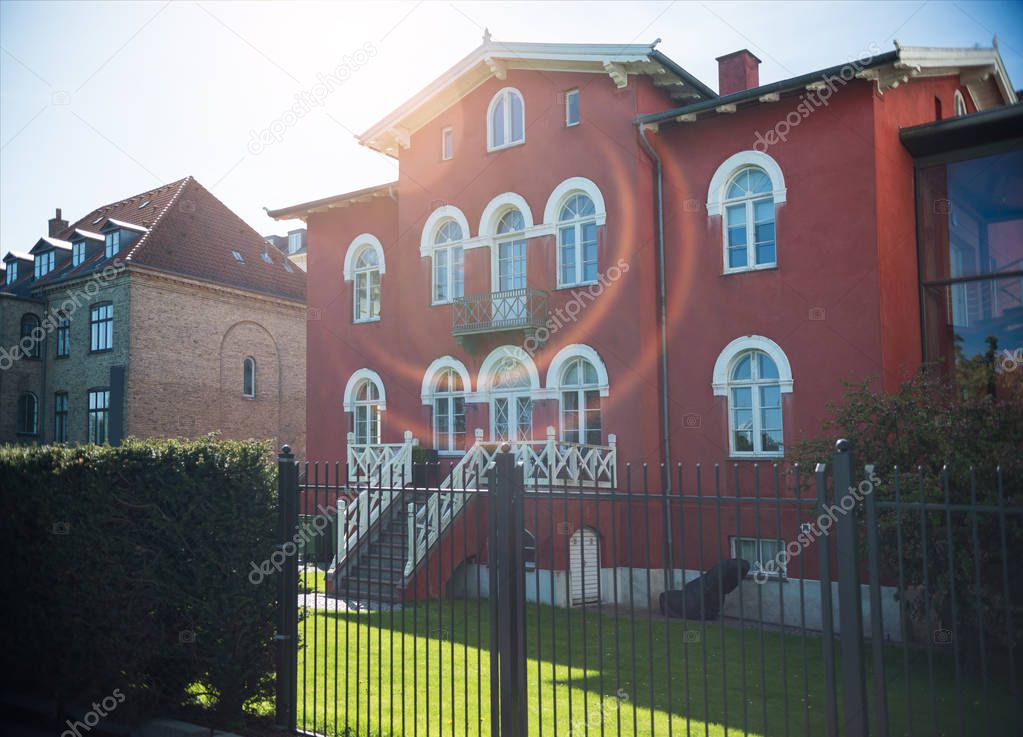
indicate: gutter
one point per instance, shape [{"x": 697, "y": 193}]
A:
[{"x": 662, "y": 300}]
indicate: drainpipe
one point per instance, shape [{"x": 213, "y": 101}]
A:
[{"x": 659, "y": 207}]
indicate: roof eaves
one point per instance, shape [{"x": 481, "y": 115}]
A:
[
  {"x": 754, "y": 93},
  {"x": 304, "y": 209}
]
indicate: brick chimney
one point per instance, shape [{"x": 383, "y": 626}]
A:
[
  {"x": 738, "y": 71},
  {"x": 57, "y": 225}
]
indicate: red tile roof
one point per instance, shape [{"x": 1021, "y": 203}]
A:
[{"x": 191, "y": 233}]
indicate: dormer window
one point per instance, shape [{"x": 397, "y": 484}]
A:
[
  {"x": 12, "y": 272},
  {"x": 113, "y": 243},
  {"x": 43, "y": 263},
  {"x": 506, "y": 120},
  {"x": 294, "y": 242},
  {"x": 77, "y": 253}
]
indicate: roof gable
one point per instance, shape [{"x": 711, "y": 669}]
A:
[{"x": 494, "y": 59}]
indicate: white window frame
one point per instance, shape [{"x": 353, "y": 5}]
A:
[
  {"x": 447, "y": 144},
  {"x": 43, "y": 263},
  {"x": 577, "y": 225},
  {"x": 372, "y": 408},
  {"x": 721, "y": 383},
  {"x": 448, "y": 249},
  {"x": 294, "y": 242},
  {"x": 78, "y": 251},
  {"x": 505, "y": 94},
  {"x": 246, "y": 363},
  {"x": 444, "y": 439},
  {"x": 750, "y": 205},
  {"x": 959, "y": 104},
  {"x": 111, "y": 243},
  {"x": 580, "y": 389},
  {"x": 569, "y": 123},
  {"x": 355, "y": 248},
  {"x": 757, "y": 565}
]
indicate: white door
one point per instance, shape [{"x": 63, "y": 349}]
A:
[
  {"x": 512, "y": 418},
  {"x": 583, "y": 567},
  {"x": 511, "y": 273}
]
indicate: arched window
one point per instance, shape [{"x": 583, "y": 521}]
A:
[
  {"x": 249, "y": 377},
  {"x": 754, "y": 405},
  {"x": 577, "y": 241},
  {"x": 448, "y": 410},
  {"x": 506, "y": 119},
  {"x": 958, "y": 104},
  {"x": 28, "y": 414},
  {"x": 580, "y": 402},
  {"x": 367, "y": 285},
  {"x": 367, "y": 405},
  {"x": 448, "y": 263},
  {"x": 511, "y": 408},
  {"x": 31, "y": 336},
  {"x": 749, "y": 221}
]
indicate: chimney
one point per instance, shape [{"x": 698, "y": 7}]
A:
[
  {"x": 738, "y": 71},
  {"x": 57, "y": 225}
]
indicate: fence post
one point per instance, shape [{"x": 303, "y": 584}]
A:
[
  {"x": 287, "y": 591},
  {"x": 850, "y": 613},
  {"x": 827, "y": 611},
  {"x": 506, "y": 482},
  {"x": 876, "y": 613}
]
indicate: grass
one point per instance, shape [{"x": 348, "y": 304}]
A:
[
  {"x": 313, "y": 580},
  {"x": 628, "y": 688}
]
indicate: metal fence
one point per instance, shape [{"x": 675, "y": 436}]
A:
[{"x": 884, "y": 602}]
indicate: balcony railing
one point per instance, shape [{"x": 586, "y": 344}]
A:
[{"x": 515, "y": 309}]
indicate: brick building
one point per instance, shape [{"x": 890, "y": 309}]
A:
[{"x": 161, "y": 315}]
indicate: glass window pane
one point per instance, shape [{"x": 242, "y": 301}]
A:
[
  {"x": 766, "y": 369},
  {"x": 743, "y": 370},
  {"x": 735, "y": 215},
  {"x": 497, "y": 123},
  {"x": 765, "y": 253},
  {"x": 739, "y": 185},
  {"x": 457, "y": 272},
  {"x": 758, "y": 182},
  {"x": 517, "y": 120},
  {"x": 770, "y": 396},
  {"x": 589, "y": 373},
  {"x": 567, "y": 237}
]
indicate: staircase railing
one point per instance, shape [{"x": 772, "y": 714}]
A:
[
  {"x": 381, "y": 469},
  {"x": 547, "y": 463}
]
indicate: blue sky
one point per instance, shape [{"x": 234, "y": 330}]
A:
[{"x": 99, "y": 101}]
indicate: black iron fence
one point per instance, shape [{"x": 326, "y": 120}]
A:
[{"x": 752, "y": 599}]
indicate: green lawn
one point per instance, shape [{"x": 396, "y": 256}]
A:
[{"x": 446, "y": 640}]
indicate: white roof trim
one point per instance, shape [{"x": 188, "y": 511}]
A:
[
  {"x": 363, "y": 374},
  {"x": 577, "y": 350},
  {"x": 723, "y": 364},
  {"x": 444, "y": 362},
  {"x": 19, "y": 255},
  {"x": 126, "y": 225},
  {"x": 494, "y": 58},
  {"x": 364, "y": 239},
  {"x": 55, "y": 242},
  {"x": 89, "y": 234}
]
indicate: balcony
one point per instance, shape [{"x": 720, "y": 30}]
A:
[{"x": 492, "y": 312}]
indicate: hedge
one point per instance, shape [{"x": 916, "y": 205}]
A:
[{"x": 129, "y": 569}]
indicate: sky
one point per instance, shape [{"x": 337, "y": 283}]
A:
[{"x": 101, "y": 101}]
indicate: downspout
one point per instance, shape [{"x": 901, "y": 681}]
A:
[{"x": 659, "y": 208}]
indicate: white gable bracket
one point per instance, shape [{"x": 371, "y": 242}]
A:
[
  {"x": 497, "y": 68},
  {"x": 617, "y": 73}
]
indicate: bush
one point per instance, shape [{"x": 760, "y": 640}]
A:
[
  {"x": 130, "y": 569},
  {"x": 929, "y": 440}
]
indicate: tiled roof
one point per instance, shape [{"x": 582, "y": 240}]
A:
[{"x": 185, "y": 230}]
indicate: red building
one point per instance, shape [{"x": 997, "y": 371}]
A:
[{"x": 590, "y": 254}]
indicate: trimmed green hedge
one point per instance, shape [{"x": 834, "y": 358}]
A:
[{"x": 129, "y": 568}]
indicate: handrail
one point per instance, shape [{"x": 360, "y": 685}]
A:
[
  {"x": 389, "y": 466},
  {"x": 545, "y": 463},
  {"x": 494, "y": 311}
]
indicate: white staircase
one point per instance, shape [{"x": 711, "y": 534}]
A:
[{"x": 546, "y": 464}]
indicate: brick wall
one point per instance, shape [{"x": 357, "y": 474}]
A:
[{"x": 188, "y": 341}]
